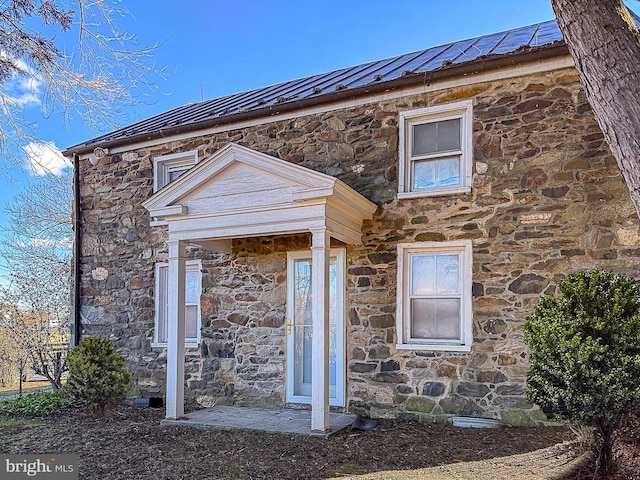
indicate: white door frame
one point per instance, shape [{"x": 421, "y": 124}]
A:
[{"x": 339, "y": 398}]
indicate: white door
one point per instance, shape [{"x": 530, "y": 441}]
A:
[{"x": 300, "y": 327}]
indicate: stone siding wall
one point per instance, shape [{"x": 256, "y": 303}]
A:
[{"x": 547, "y": 199}]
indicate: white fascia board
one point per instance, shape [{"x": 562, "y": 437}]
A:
[
  {"x": 344, "y": 228},
  {"x": 294, "y": 219},
  {"x": 346, "y": 215},
  {"x": 171, "y": 210},
  {"x": 312, "y": 194},
  {"x": 188, "y": 232},
  {"x": 355, "y": 200}
]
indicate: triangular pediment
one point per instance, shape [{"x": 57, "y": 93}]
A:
[
  {"x": 236, "y": 176},
  {"x": 240, "y": 191}
]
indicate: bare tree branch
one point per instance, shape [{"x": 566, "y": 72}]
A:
[
  {"x": 105, "y": 68},
  {"x": 36, "y": 249}
]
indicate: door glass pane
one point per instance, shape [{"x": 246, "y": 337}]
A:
[
  {"x": 332, "y": 356},
  {"x": 302, "y": 292},
  {"x": 302, "y": 328},
  {"x": 333, "y": 292},
  {"x": 435, "y": 318},
  {"x": 303, "y": 343}
]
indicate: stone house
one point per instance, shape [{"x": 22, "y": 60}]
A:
[{"x": 437, "y": 195}]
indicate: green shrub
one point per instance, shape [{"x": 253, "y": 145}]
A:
[
  {"x": 36, "y": 404},
  {"x": 585, "y": 353},
  {"x": 98, "y": 377}
]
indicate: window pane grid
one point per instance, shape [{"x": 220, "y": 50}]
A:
[
  {"x": 435, "y": 319},
  {"x": 192, "y": 303},
  {"x": 168, "y": 168},
  {"x": 162, "y": 295},
  {"x": 440, "y": 135},
  {"x": 436, "y": 172},
  {"x": 434, "y": 298},
  {"x": 174, "y": 174},
  {"x": 436, "y": 150}
]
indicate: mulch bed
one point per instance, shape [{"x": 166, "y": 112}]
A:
[{"x": 130, "y": 443}]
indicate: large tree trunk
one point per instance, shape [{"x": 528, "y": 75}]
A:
[{"x": 605, "y": 46}]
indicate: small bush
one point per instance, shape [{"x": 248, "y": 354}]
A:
[
  {"x": 36, "y": 404},
  {"x": 585, "y": 353},
  {"x": 98, "y": 377}
]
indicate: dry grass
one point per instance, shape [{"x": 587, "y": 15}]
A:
[{"x": 26, "y": 388}]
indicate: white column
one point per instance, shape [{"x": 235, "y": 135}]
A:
[
  {"x": 175, "y": 333},
  {"x": 320, "y": 257}
]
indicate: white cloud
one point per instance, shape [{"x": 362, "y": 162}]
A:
[
  {"x": 23, "y": 90},
  {"x": 45, "y": 158},
  {"x": 43, "y": 242}
]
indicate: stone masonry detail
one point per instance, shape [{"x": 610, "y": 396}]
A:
[{"x": 547, "y": 199}]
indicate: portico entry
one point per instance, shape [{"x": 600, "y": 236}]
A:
[{"x": 238, "y": 193}]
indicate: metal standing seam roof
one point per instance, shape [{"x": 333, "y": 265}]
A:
[{"x": 371, "y": 73}]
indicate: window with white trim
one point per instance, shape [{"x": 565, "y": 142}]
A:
[
  {"x": 436, "y": 150},
  {"x": 167, "y": 168},
  {"x": 434, "y": 296},
  {"x": 193, "y": 289}
]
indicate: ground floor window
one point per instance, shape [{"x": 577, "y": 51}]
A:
[
  {"x": 434, "y": 309},
  {"x": 193, "y": 285}
]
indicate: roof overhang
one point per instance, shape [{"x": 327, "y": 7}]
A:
[
  {"x": 446, "y": 71},
  {"x": 239, "y": 192}
]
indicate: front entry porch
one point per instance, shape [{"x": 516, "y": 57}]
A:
[
  {"x": 240, "y": 193},
  {"x": 294, "y": 421}
]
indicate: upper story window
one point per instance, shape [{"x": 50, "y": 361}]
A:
[
  {"x": 434, "y": 296},
  {"x": 166, "y": 168},
  {"x": 436, "y": 150}
]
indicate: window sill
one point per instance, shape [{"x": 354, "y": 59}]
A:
[
  {"x": 434, "y": 347},
  {"x": 435, "y": 192},
  {"x": 186, "y": 345}
]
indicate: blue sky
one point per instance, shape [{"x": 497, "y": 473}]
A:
[{"x": 215, "y": 47}]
